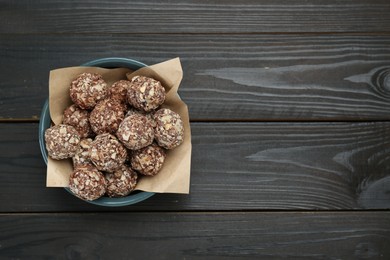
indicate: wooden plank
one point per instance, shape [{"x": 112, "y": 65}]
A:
[
  {"x": 321, "y": 235},
  {"x": 230, "y": 77},
  {"x": 235, "y": 166},
  {"x": 195, "y": 16}
]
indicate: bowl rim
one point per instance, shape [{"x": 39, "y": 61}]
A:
[{"x": 45, "y": 120}]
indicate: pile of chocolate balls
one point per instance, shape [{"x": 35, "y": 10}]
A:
[{"x": 114, "y": 134}]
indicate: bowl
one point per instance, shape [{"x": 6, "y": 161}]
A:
[{"x": 45, "y": 122}]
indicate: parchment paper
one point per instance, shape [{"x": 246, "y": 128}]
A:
[{"x": 174, "y": 177}]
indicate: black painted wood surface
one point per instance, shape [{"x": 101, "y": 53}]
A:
[
  {"x": 289, "y": 103},
  {"x": 235, "y": 166},
  {"x": 226, "y": 77},
  {"x": 190, "y": 16},
  {"x": 215, "y": 235}
]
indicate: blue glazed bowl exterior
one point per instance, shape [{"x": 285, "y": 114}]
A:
[{"x": 45, "y": 121}]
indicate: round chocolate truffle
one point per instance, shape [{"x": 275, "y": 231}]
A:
[
  {"x": 87, "y": 183},
  {"x": 118, "y": 90},
  {"x": 61, "y": 141},
  {"x": 169, "y": 129},
  {"x": 106, "y": 116},
  {"x": 148, "y": 160},
  {"x": 145, "y": 93},
  {"x": 87, "y": 89},
  {"x": 121, "y": 182},
  {"x": 82, "y": 154},
  {"x": 78, "y": 118},
  {"x": 107, "y": 153},
  {"x": 133, "y": 111},
  {"x": 135, "y": 132}
]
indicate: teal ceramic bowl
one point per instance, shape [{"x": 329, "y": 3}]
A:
[{"x": 45, "y": 121}]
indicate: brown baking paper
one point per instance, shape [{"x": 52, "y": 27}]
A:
[{"x": 174, "y": 177}]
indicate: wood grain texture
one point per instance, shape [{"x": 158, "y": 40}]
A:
[
  {"x": 229, "y": 77},
  {"x": 235, "y": 166},
  {"x": 196, "y": 235},
  {"x": 296, "y": 61},
  {"x": 194, "y": 16}
]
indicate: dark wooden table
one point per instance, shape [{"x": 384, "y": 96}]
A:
[{"x": 290, "y": 114}]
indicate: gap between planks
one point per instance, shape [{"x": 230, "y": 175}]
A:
[
  {"x": 192, "y": 212},
  {"x": 281, "y": 33}
]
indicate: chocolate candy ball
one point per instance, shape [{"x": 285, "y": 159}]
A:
[
  {"x": 87, "y": 89},
  {"x": 148, "y": 160},
  {"x": 107, "y": 153},
  {"x": 118, "y": 90},
  {"x": 133, "y": 111},
  {"x": 121, "y": 182},
  {"x": 78, "y": 118},
  {"x": 82, "y": 158},
  {"x": 145, "y": 93},
  {"x": 106, "y": 116},
  {"x": 87, "y": 183},
  {"x": 169, "y": 129},
  {"x": 135, "y": 132},
  {"x": 61, "y": 141}
]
